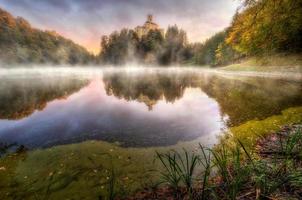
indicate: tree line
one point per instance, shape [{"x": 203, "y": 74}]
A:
[
  {"x": 258, "y": 28},
  {"x": 267, "y": 26},
  {"x": 20, "y": 43},
  {"x": 154, "y": 47}
]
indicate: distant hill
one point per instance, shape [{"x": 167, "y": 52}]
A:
[{"x": 21, "y": 43}]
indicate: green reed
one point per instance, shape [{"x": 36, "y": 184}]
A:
[
  {"x": 179, "y": 169},
  {"x": 236, "y": 169},
  {"x": 206, "y": 162}
]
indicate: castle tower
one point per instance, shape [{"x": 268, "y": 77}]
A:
[
  {"x": 150, "y": 18},
  {"x": 148, "y": 26}
]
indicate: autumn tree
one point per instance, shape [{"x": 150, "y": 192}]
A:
[
  {"x": 21, "y": 43},
  {"x": 267, "y": 26}
]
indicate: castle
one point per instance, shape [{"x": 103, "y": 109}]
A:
[{"x": 148, "y": 26}]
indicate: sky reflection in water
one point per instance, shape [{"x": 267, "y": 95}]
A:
[{"x": 134, "y": 109}]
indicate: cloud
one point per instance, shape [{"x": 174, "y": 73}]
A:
[{"x": 85, "y": 21}]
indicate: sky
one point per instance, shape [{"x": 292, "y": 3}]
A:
[{"x": 85, "y": 21}]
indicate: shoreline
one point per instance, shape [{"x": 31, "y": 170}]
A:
[
  {"x": 278, "y": 75},
  {"x": 270, "y": 151}
]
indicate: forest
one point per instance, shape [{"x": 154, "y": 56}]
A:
[
  {"x": 258, "y": 28},
  {"x": 126, "y": 46},
  {"x": 21, "y": 43}
]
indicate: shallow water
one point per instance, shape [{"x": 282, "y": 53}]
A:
[{"x": 129, "y": 113}]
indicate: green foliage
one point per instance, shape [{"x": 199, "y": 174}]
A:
[
  {"x": 152, "y": 48},
  {"x": 206, "y": 162},
  {"x": 20, "y": 43},
  {"x": 281, "y": 168},
  {"x": 179, "y": 169},
  {"x": 260, "y": 28},
  {"x": 119, "y": 47},
  {"x": 230, "y": 169},
  {"x": 267, "y": 26},
  {"x": 175, "y": 46},
  {"x": 207, "y": 54},
  {"x": 215, "y": 51},
  {"x": 151, "y": 42},
  {"x": 187, "y": 168},
  {"x": 171, "y": 173},
  {"x": 292, "y": 147},
  {"x": 238, "y": 173}
]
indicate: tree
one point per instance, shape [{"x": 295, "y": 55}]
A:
[
  {"x": 150, "y": 46},
  {"x": 267, "y": 26},
  {"x": 206, "y": 54},
  {"x": 153, "y": 47},
  {"x": 20, "y": 43},
  {"x": 175, "y": 43}
]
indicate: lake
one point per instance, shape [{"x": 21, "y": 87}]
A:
[{"x": 77, "y": 123}]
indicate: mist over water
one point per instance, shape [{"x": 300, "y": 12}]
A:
[{"x": 135, "y": 107}]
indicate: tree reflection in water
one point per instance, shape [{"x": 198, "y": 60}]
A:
[
  {"x": 239, "y": 99},
  {"x": 20, "y": 98}
]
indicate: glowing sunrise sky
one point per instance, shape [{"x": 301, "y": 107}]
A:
[{"x": 85, "y": 21}]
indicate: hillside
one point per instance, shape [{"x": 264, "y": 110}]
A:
[
  {"x": 273, "y": 63},
  {"x": 262, "y": 33},
  {"x": 21, "y": 43}
]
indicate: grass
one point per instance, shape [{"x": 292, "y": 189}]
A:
[
  {"x": 249, "y": 132},
  {"x": 112, "y": 185},
  {"x": 270, "y": 63},
  {"x": 171, "y": 173},
  {"x": 230, "y": 169},
  {"x": 235, "y": 173},
  {"x": 293, "y": 145},
  {"x": 206, "y": 162},
  {"x": 178, "y": 169}
]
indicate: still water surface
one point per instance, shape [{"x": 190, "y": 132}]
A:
[{"x": 134, "y": 108}]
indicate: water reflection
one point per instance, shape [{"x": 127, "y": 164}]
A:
[
  {"x": 240, "y": 99},
  {"x": 245, "y": 99},
  {"x": 20, "y": 97},
  {"x": 148, "y": 88},
  {"x": 153, "y": 108}
]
